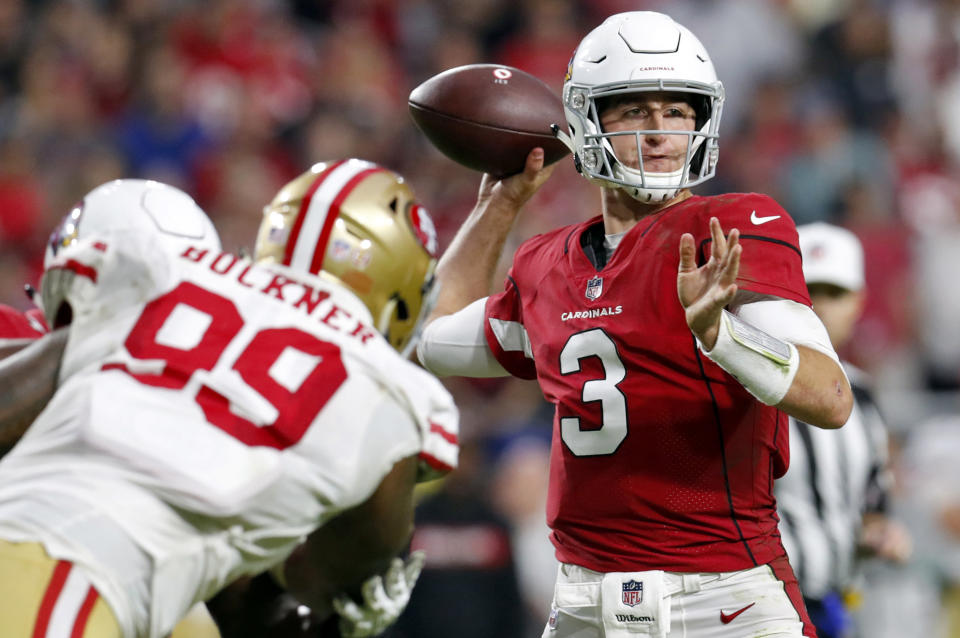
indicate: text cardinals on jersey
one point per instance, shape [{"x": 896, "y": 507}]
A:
[{"x": 592, "y": 313}]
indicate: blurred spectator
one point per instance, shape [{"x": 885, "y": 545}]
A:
[
  {"x": 926, "y": 65},
  {"x": 769, "y": 140},
  {"x": 851, "y": 56},
  {"x": 13, "y": 44},
  {"x": 937, "y": 265},
  {"x": 159, "y": 138},
  {"x": 931, "y": 507},
  {"x": 773, "y": 47},
  {"x": 543, "y": 43},
  {"x": 519, "y": 491},
  {"x": 21, "y": 198},
  {"x": 831, "y": 155},
  {"x": 883, "y": 341}
]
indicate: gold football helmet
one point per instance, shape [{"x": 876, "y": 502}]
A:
[{"x": 357, "y": 224}]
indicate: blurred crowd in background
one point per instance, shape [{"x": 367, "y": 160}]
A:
[{"x": 845, "y": 111}]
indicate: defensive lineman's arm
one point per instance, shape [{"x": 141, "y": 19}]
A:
[
  {"x": 337, "y": 558},
  {"x": 359, "y": 543},
  {"x": 28, "y": 378}
]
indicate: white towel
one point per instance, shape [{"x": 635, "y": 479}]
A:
[{"x": 634, "y": 604}]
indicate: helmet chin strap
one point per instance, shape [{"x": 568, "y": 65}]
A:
[
  {"x": 659, "y": 187},
  {"x": 650, "y": 196}
]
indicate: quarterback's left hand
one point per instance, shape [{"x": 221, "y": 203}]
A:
[
  {"x": 704, "y": 291},
  {"x": 384, "y": 599}
]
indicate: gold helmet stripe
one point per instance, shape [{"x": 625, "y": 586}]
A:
[{"x": 302, "y": 213}]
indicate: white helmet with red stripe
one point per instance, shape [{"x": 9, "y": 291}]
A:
[
  {"x": 139, "y": 205},
  {"x": 357, "y": 223}
]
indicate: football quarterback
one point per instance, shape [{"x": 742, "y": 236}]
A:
[{"x": 672, "y": 349}]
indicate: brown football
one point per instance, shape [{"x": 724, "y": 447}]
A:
[{"x": 488, "y": 117}]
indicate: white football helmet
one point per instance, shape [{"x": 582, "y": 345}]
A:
[
  {"x": 631, "y": 52},
  {"x": 135, "y": 204}
]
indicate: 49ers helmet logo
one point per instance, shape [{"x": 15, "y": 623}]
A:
[{"x": 424, "y": 228}]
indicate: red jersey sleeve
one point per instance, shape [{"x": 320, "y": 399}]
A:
[
  {"x": 19, "y": 325},
  {"x": 770, "y": 263},
  {"x": 506, "y": 335}
]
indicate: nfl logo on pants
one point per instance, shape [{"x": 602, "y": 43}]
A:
[{"x": 632, "y": 593}]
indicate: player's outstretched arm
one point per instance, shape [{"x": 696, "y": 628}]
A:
[
  {"x": 344, "y": 557},
  {"x": 804, "y": 383},
  {"x": 27, "y": 381},
  {"x": 358, "y": 544},
  {"x": 465, "y": 271}
]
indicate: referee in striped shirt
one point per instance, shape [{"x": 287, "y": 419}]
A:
[{"x": 832, "y": 499}]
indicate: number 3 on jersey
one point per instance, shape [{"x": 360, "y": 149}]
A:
[
  {"x": 613, "y": 428},
  {"x": 296, "y": 409}
]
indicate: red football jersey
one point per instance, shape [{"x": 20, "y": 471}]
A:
[
  {"x": 16, "y": 325},
  {"x": 661, "y": 460}
]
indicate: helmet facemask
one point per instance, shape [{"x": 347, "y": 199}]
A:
[{"x": 597, "y": 160}]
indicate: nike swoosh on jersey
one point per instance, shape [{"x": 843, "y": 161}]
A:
[
  {"x": 762, "y": 220},
  {"x": 725, "y": 618}
]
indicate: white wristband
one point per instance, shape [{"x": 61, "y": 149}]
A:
[{"x": 763, "y": 364}]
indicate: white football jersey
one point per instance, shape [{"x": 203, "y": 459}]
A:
[{"x": 211, "y": 414}]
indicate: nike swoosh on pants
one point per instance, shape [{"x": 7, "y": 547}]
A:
[{"x": 725, "y": 618}]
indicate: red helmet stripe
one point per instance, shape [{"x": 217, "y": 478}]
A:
[
  {"x": 317, "y": 264},
  {"x": 302, "y": 213}
]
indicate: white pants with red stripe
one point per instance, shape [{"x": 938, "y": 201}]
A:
[{"x": 764, "y": 600}]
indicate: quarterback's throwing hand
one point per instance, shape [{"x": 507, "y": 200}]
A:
[
  {"x": 384, "y": 599},
  {"x": 516, "y": 190},
  {"x": 704, "y": 291}
]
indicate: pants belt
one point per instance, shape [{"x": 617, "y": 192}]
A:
[{"x": 587, "y": 593}]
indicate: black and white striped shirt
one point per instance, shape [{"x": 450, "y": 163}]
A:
[{"x": 835, "y": 476}]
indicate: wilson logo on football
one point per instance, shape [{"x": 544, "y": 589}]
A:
[
  {"x": 502, "y": 74},
  {"x": 424, "y": 228}
]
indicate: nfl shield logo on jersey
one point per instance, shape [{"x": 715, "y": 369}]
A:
[
  {"x": 632, "y": 593},
  {"x": 594, "y": 288}
]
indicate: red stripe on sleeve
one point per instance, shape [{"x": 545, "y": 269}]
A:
[
  {"x": 302, "y": 213},
  {"x": 446, "y": 436},
  {"x": 80, "y": 625},
  {"x": 317, "y": 264},
  {"x": 54, "y": 587}
]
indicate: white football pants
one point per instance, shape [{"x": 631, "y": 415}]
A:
[{"x": 762, "y": 601}]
